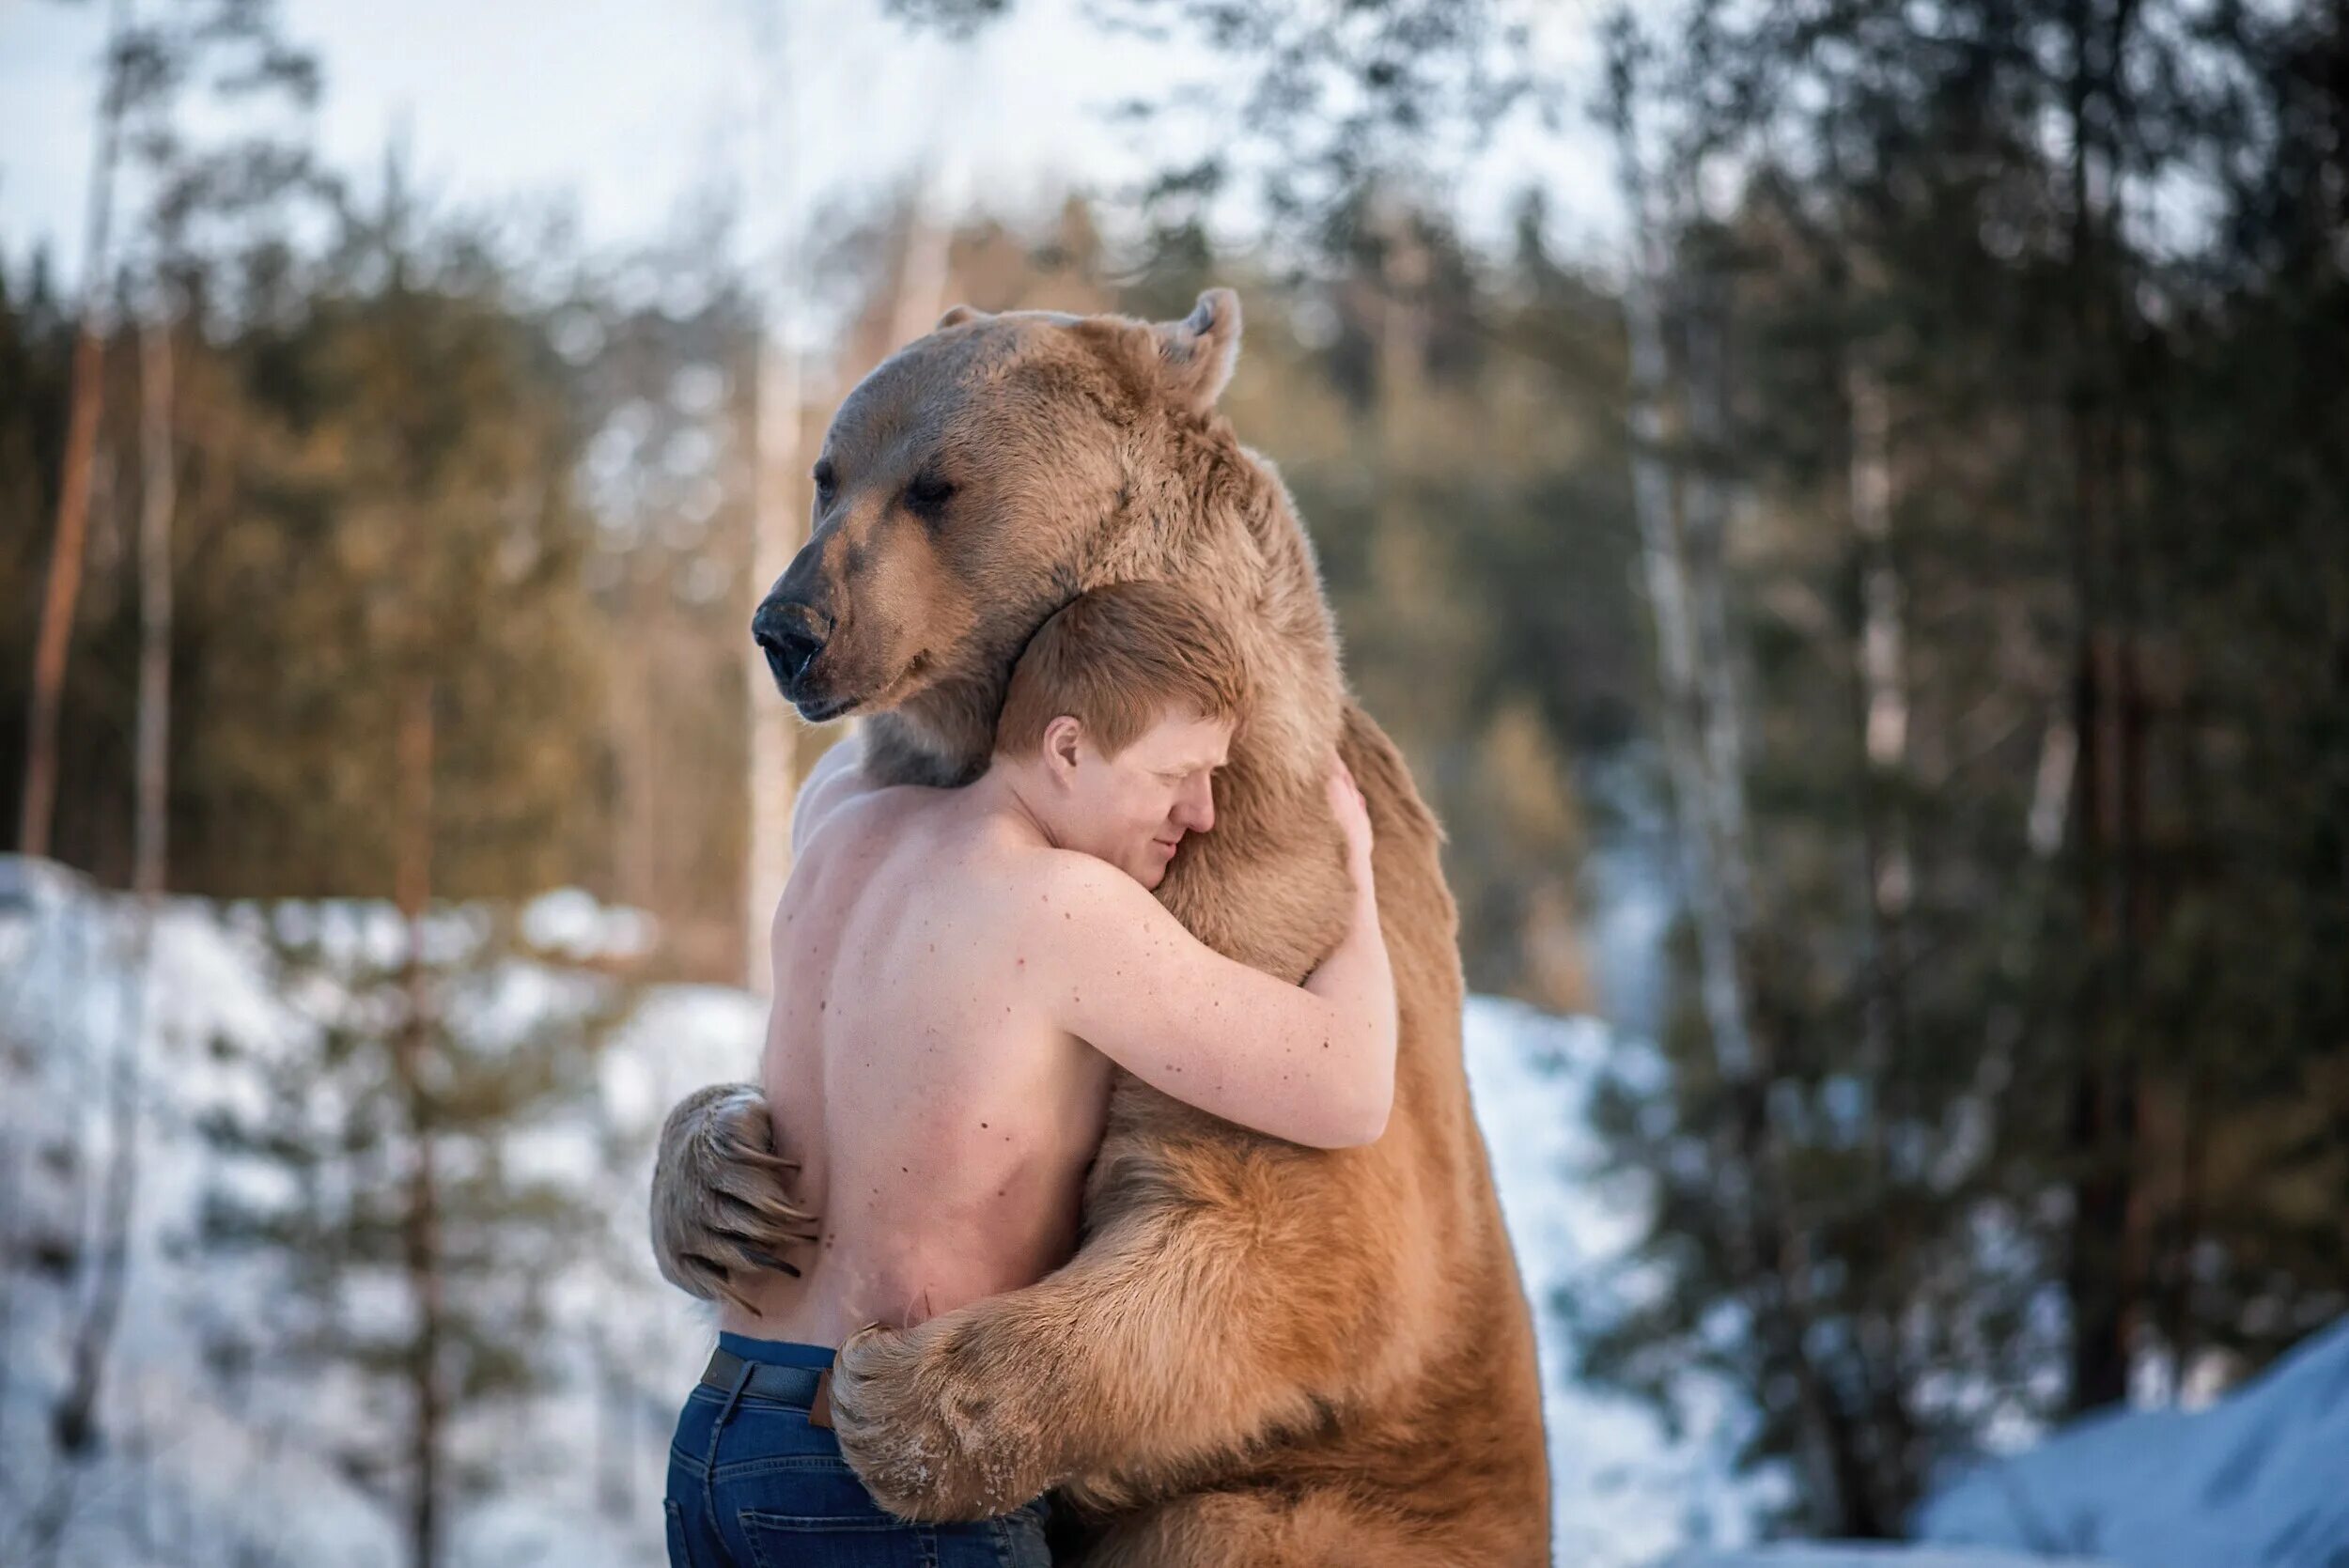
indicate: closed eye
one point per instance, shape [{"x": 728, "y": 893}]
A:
[
  {"x": 928, "y": 495},
  {"x": 827, "y": 482}
]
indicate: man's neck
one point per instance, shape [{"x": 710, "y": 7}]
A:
[{"x": 1006, "y": 794}]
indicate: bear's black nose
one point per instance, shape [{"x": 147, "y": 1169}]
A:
[{"x": 783, "y": 632}]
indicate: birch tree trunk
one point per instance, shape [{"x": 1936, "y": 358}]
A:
[
  {"x": 1883, "y": 708},
  {"x": 1709, "y": 808},
  {"x": 1683, "y": 558},
  {"x": 1881, "y": 660},
  {"x": 922, "y": 272},
  {"x": 1665, "y": 573},
  {"x": 1706, "y": 504}
]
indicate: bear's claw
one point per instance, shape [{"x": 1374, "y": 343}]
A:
[{"x": 721, "y": 1209}]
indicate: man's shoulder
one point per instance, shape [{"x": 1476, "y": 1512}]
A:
[
  {"x": 1048, "y": 869},
  {"x": 950, "y": 861},
  {"x": 843, "y": 822},
  {"x": 1027, "y": 883},
  {"x": 1078, "y": 898}
]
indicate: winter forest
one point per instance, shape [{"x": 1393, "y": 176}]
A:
[{"x": 1871, "y": 613}]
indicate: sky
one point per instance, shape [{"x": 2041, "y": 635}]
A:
[{"x": 630, "y": 112}]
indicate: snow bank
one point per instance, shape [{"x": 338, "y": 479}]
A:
[
  {"x": 1816, "y": 1556},
  {"x": 2259, "y": 1480}
]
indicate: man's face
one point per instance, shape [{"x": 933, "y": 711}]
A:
[{"x": 1133, "y": 808}]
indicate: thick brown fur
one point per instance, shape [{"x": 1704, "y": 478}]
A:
[{"x": 1261, "y": 1354}]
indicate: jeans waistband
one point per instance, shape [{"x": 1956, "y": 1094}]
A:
[{"x": 780, "y": 1353}]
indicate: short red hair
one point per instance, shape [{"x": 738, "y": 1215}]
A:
[{"x": 1117, "y": 659}]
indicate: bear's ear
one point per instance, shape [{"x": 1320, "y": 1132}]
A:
[
  {"x": 1196, "y": 353},
  {"x": 956, "y": 316}
]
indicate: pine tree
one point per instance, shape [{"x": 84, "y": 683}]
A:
[{"x": 410, "y": 1325}]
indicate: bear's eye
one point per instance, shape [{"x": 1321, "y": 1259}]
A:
[
  {"x": 826, "y": 481},
  {"x": 926, "y": 497}
]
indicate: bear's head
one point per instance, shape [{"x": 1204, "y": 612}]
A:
[{"x": 973, "y": 483}]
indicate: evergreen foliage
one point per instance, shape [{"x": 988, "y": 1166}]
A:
[
  {"x": 2045, "y": 967},
  {"x": 312, "y": 1190}
]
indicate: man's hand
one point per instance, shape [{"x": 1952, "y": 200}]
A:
[
  {"x": 722, "y": 1208},
  {"x": 1353, "y": 814}
]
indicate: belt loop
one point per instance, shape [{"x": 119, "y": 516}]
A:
[
  {"x": 709, "y": 1470},
  {"x": 741, "y": 1381}
]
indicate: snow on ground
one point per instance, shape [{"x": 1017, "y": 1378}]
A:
[
  {"x": 2259, "y": 1480},
  {"x": 204, "y": 1465},
  {"x": 202, "y": 1469}
]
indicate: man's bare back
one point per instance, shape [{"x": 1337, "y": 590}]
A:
[
  {"x": 943, "y": 1119},
  {"x": 956, "y": 971}
]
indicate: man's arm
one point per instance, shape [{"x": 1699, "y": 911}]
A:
[{"x": 1312, "y": 1064}]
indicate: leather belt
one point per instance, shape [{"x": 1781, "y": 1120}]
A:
[{"x": 808, "y": 1388}]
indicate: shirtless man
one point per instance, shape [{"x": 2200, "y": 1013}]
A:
[{"x": 956, "y": 972}]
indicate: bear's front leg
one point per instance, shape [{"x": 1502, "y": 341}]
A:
[
  {"x": 949, "y": 1420},
  {"x": 1181, "y": 1334}
]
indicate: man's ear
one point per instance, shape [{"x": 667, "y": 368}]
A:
[
  {"x": 956, "y": 316},
  {"x": 1061, "y": 738},
  {"x": 1196, "y": 355}
]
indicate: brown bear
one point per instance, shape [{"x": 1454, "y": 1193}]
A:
[{"x": 1261, "y": 1354}]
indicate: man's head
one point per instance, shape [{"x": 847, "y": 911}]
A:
[{"x": 1116, "y": 717}]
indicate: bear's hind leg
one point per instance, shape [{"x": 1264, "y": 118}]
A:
[{"x": 1325, "y": 1528}]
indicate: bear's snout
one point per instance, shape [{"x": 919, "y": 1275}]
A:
[{"x": 791, "y": 637}]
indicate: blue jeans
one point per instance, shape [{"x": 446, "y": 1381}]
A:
[{"x": 753, "y": 1485}]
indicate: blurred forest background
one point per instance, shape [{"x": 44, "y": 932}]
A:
[{"x": 1921, "y": 564}]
